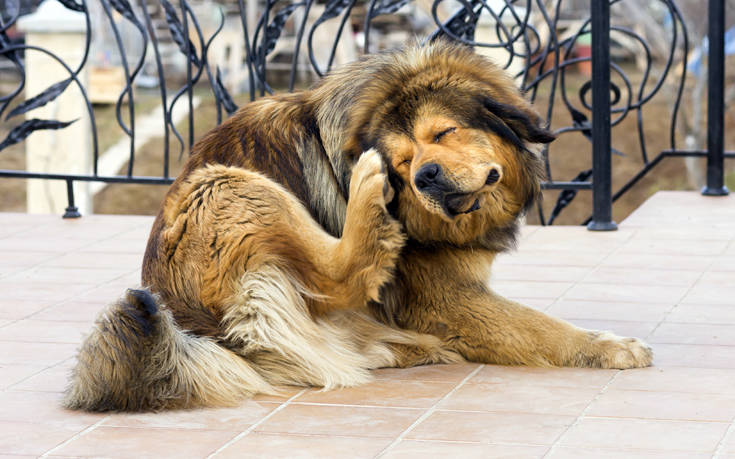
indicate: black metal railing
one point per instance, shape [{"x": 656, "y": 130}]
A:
[{"x": 527, "y": 31}]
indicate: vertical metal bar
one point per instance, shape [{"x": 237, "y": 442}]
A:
[
  {"x": 71, "y": 210},
  {"x": 601, "y": 152},
  {"x": 716, "y": 101}
]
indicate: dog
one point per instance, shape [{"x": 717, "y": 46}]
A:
[{"x": 316, "y": 235}]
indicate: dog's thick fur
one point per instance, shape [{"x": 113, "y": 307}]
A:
[{"x": 316, "y": 235}]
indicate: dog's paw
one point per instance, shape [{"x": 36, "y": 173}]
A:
[
  {"x": 613, "y": 351},
  {"x": 369, "y": 180}
]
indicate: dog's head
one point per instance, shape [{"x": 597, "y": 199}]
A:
[{"x": 459, "y": 140}]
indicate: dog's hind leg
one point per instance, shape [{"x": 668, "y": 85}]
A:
[{"x": 238, "y": 221}]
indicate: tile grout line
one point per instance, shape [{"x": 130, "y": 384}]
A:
[
  {"x": 70, "y": 298},
  {"x": 54, "y": 365},
  {"x": 254, "y": 426},
  {"x": 729, "y": 433},
  {"x": 428, "y": 412},
  {"x": 74, "y": 437},
  {"x": 678, "y": 302},
  {"x": 580, "y": 417},
  {"x": 590, "y": 270}
]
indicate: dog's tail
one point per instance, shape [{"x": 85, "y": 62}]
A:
[{"x": 137, "y": 359}]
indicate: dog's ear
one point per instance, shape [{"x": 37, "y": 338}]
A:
[{"x": 515, "y": 124}]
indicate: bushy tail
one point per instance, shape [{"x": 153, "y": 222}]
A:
[{"x": 137, "y": 359}]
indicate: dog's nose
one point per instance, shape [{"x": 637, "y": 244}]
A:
[
  {"x": 493, "y": 176},
  {"x": 428, "y": 177}
]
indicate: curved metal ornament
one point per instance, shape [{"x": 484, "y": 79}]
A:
[{"x": 525, "y": 29}]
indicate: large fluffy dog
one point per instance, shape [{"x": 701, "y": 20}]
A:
[{"x": 316, "y": 235}]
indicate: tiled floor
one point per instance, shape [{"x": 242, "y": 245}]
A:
[{"x": 667, "y": 275}]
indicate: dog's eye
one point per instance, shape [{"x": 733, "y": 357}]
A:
[
  {"x": 438, "y": 137},
  {"x": 406, "y": 162}
]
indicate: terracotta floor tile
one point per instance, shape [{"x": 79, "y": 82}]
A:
[
  {"x": 693, "y": 246},
  {"x": 702, "y": 313},
  {"x": 659, "y": 261},
  {"x": 22, "y": 242},
  {"x": 90, "y": 275},
  {"x": 548, "y": 258},
  {"x": 107, "y": 293},
  {"x": 677, "y": 333},
  {"x": 663, "y": 405},
  {"x": 695, "y": 356},
  {"x": 13, "y": 309},
  {"x": 619, "y": 327},
  {"x": 537, "y": 429},
  {"x": 644, "y": 276},
  {"x": 539, "y": 273},
  {"x": 36, "y": 353},
  {"x": 54, "y": 379},
  {"x": 124, "y": 442},
  {"x": 19, "y": 438},
  {"x": 528, "y": 230},
  {"x": 12, "y": 374},
  {"x": 703, "y": 293},
  {"x": 285, "y": 393},
  {"x": 609, "y": 310},
  {"x": 41, "y": 291},
  {"x": 716, "y": 278},
  {"x": 577, "y": 238},
  {"x": 629, "y": 280},
  {"x": 529, "y": 289},
  {"x": 8, "y": 271},
  {"x": 414, "y": 449},
  {"x": 617, "y": 292},
  {"x": 231, "y": 419},
  {"x": 25, "y": 259},
  {"x": 645, "y": 434},
  {"x": 681, "y": 379},
  {"x": 45, "y": 331},
  {"x": 341, "y": 420},
  {"x": 139, "y": 232},
  {"x": 728, "y": 445},
  {"x": 42, "y": 408},
  {"x": 407, "y": 394},
  {"x": 118, "y": 245},
  {"x": 576, "y": 452},
  {"x": 523, "y": 398},
  {"x": 723, "y": 264},
  {"x": 96, "y": 260},
  {"x": 432, "y": 373},
  {"x": 680, "y": 233},
  {"x": 540, "y": 304},
  {"x": 262, "y": 445},
  {"x": 72, "y": 310},
  {"x": 552, "y": 377}
]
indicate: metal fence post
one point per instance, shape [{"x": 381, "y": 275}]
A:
[
  {"x": 716, "y": 101},
  {"x": 61, "y": 30},
  {"x": 601, "y": 145}
]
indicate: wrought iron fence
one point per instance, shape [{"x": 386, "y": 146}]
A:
[{"x": 529, "y": 32}]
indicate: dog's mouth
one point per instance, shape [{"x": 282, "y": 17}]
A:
[{"x": 460, "y": 203}]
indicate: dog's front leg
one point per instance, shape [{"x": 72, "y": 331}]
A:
[
  {"x": 458, "y": 306},
  {"x": 492, "y": 329},
  {"x": 354, "y": 267}
]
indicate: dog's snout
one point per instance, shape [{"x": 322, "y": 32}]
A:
[
  {"x": 429, "y": 176},
  {"x": 493, "y": 176}
]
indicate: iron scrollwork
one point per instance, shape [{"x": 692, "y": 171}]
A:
[{"x": 527, "y": 31}]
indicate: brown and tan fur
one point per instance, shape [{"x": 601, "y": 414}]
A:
[{"x": 317, "y": 235}]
